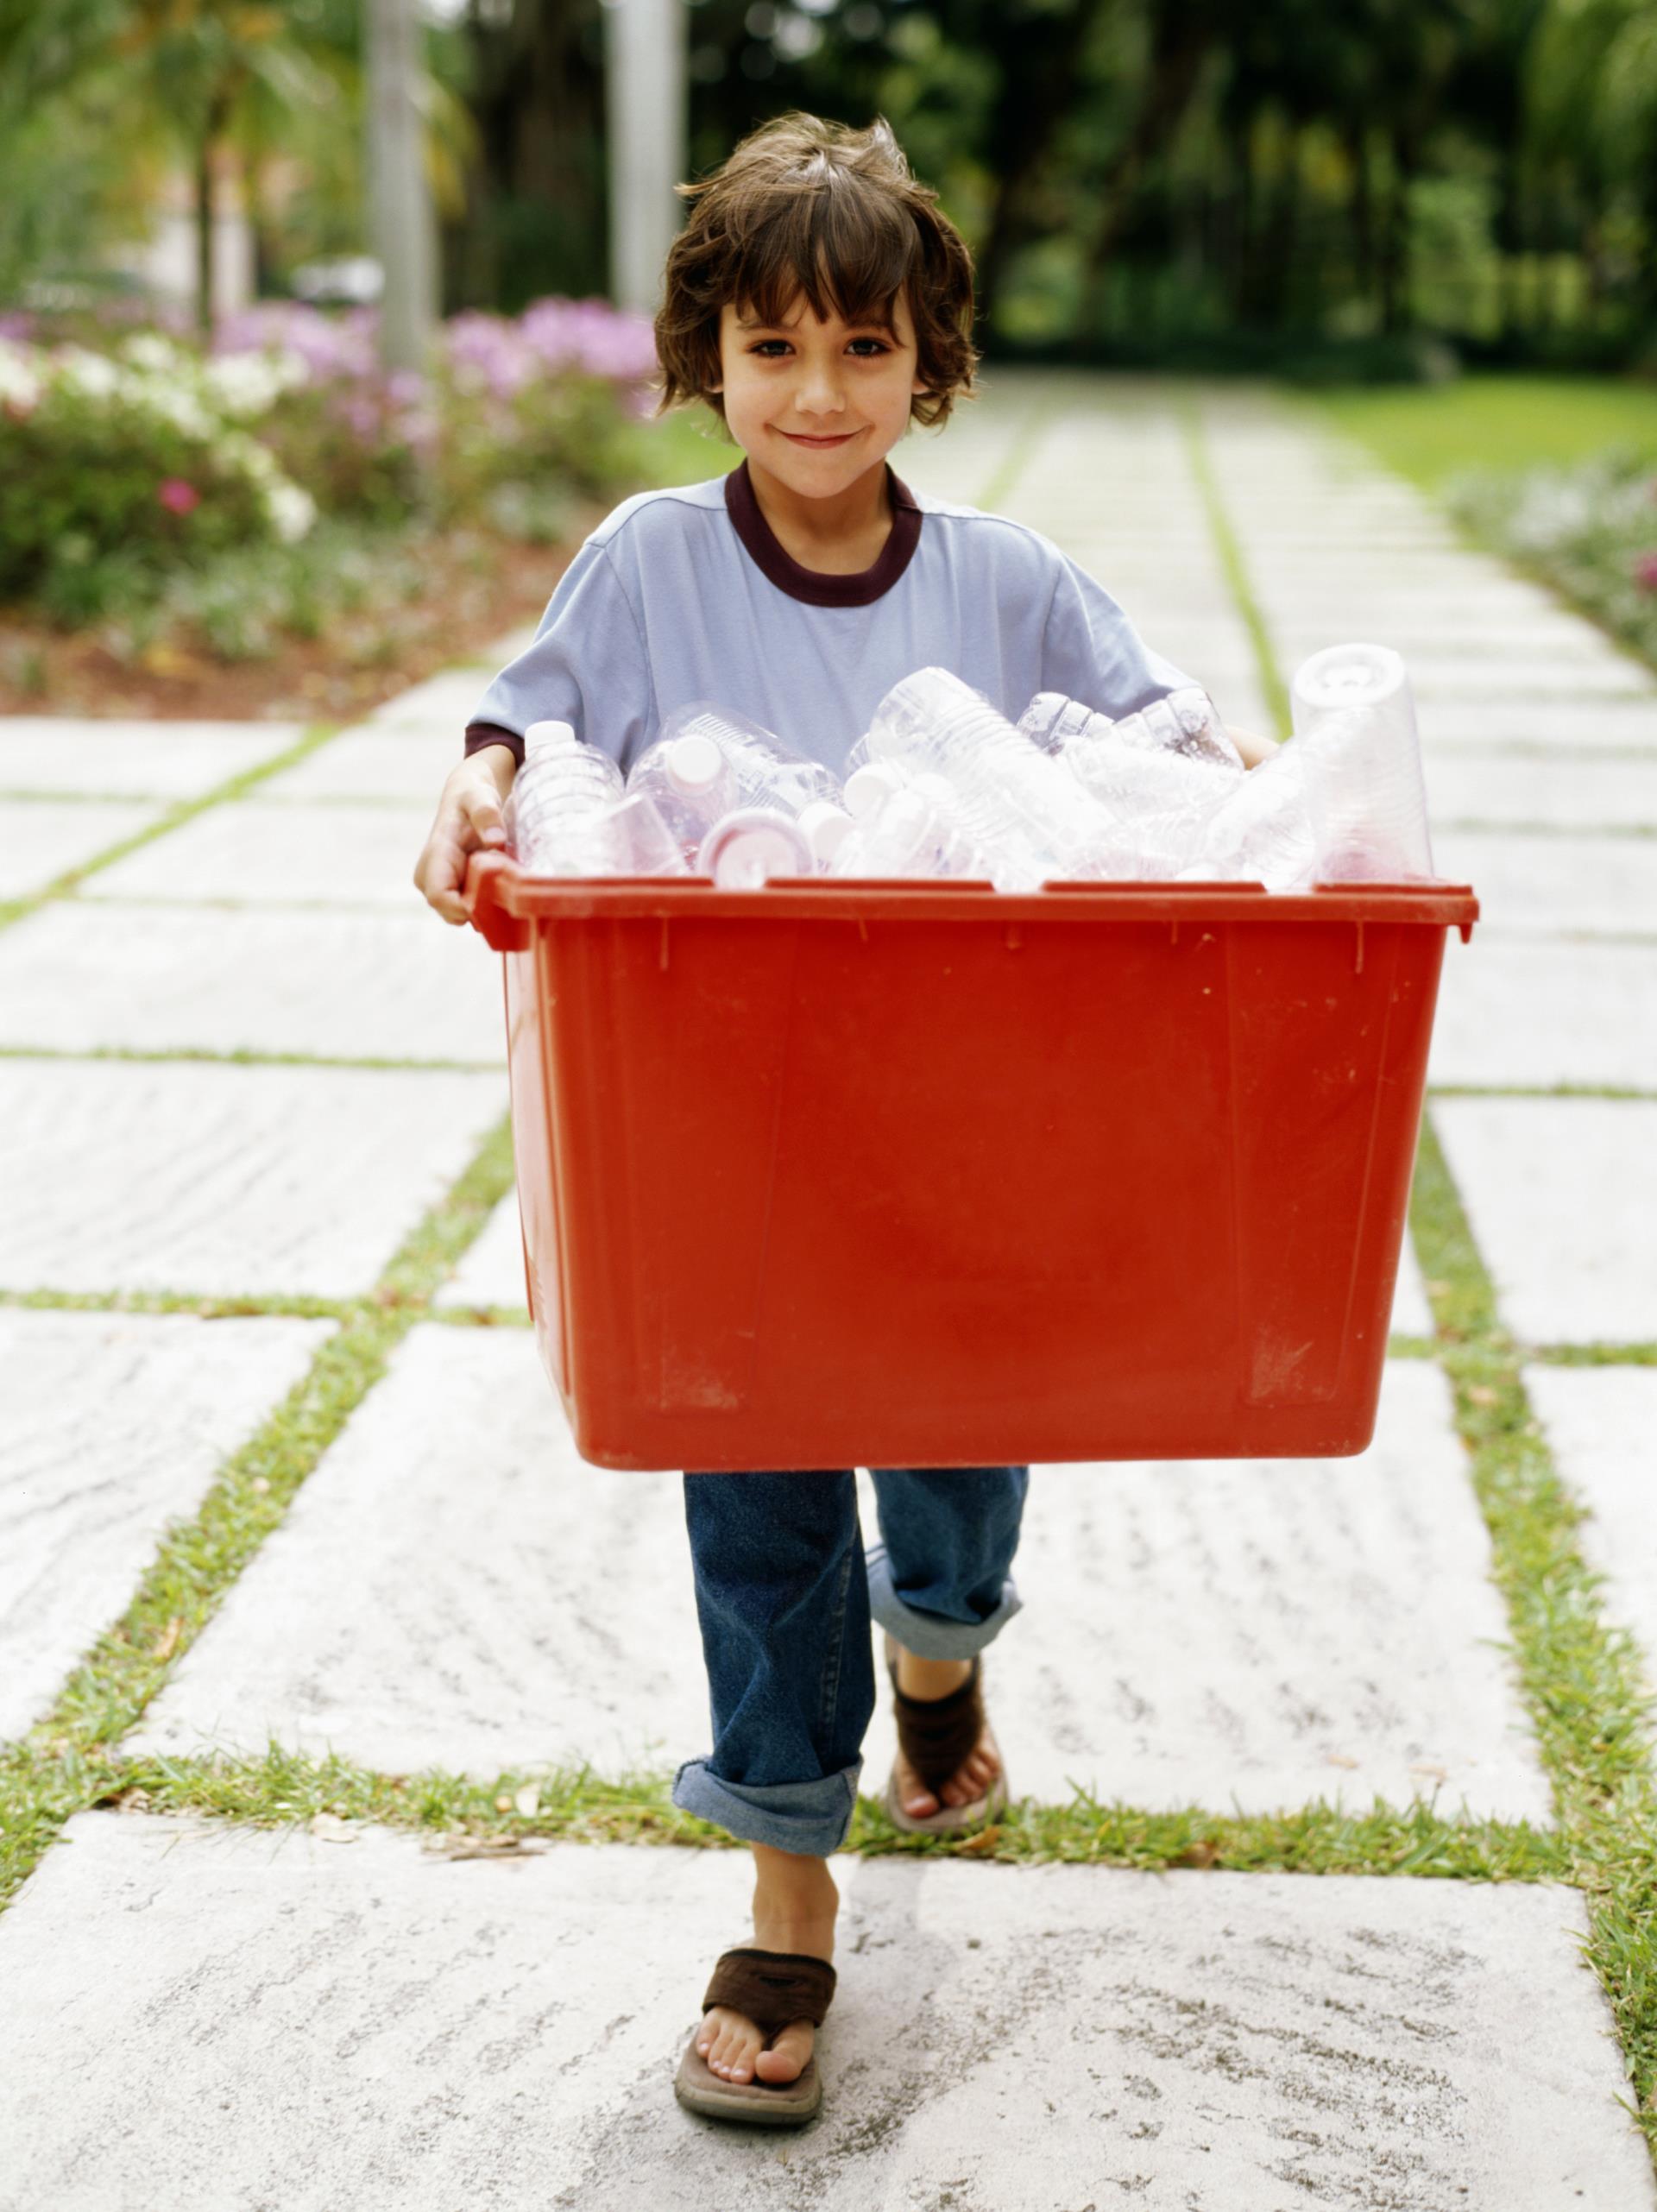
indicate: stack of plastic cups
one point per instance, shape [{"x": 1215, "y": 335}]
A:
[{"x": 1355, "y": 727}]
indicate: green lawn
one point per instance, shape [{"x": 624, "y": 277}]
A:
[
  {"x": 686, "y": 447},
  {"x": 1431, "y": 432}
]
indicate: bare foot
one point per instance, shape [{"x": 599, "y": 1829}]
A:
[
  {"x": 795, "y": 1901},
  {"x": 936, "y": 1678}
]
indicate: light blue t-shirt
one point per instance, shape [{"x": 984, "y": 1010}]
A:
[{"x": 687, "y": 595}]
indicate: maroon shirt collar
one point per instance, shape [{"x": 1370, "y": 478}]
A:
[{"x": 766, "y": 551}]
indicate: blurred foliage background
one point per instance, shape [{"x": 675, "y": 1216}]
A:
[{"x": 1292, "y": 185}]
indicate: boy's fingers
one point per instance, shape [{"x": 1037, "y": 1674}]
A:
[
  {"x": 484, "y": 817},
  {"x": 440, "y": 871}
]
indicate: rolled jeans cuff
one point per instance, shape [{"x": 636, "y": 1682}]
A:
[
  {"x": 812, "y": 1817},
  {"x": 932, "y": 1635}
]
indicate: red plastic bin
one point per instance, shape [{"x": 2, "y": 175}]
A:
[{"x": 836, "y": 1174}]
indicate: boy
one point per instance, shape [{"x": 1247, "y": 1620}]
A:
[{"x": 818, "y": 300}]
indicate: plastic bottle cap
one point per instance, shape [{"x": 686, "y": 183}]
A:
[
  {"x": 744, "y": 848},
  {"x": 548, "y": 737},
  {"x": 868, "y": 785},
  {"x": 694, "y": 763},
  {"x": 825, "y": 827}
]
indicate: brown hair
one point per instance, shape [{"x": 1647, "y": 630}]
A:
[{"x": 807, "y": 206}]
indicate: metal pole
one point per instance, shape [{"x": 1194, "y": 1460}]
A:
[
  {"x": 400, "y": 201},
  {"x": 646, "y": 98}
]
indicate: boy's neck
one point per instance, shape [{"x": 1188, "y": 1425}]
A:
[{"x": 840, "y": 535}]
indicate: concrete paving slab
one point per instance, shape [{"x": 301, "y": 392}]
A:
[
  {"x": 1570, "y": 793},
  {"x": 80, "y": 976},
  {"x": 224, "y": 1181},
  {"x": 1532, "y": 1012},
  {"x": 277, "y": 2020},
  {"x": 501, "y": 1589},
  {"x": 1411, "y": 1314},
  {"x": 492, "y": 1273},
  {"x": 282, "y": 855},
  {"x": 133, "y": 759},
  {"x": 1600, "y": 1421},
  {"x": 39, "y": 839},
  {"x": 370, "y": 763},
  {"x": 115, "y": 1426},
  {"x": 1608, "y": 725},
  {"x": 444, "y": 701},
  {"x": 1562, "y": 1195},
  {"x": 541, "y": 1611},
  {"x": 1580, "y": 683},
  {"x": 1263, "y": 1634},
  {"x": 1605, "y": 886}
]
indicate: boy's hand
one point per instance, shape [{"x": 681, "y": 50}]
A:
[
  {"x": 1253, "y": 749},
  {"x": 468, "y": 819}
]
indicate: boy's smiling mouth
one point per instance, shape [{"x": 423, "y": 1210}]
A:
[{"x": 804, "y": 438}]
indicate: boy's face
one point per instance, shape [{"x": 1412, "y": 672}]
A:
[{"x": 817, "y": 404}]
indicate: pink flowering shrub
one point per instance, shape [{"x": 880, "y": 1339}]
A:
[
  {"x": 541, "y": 400},
  {"x": 126, "y": 451}
]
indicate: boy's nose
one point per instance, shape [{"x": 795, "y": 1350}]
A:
[{"x": 819, "y": 395}]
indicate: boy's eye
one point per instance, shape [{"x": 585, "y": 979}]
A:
[{"x": 764, "y": 348}]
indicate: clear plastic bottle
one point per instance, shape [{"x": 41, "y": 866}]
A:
[
  {"x": 1261, "y": 832},
  {"x": 914, "y": 831},
  {"x": 691, "y": 783},
  {"x": 748, "y": 847},
  {"x": 1024, "y": 810},
  {"x": 1355, "y": 723},
  {"x": 768, "y": 772},
  {"x": 567, "y": 814}
]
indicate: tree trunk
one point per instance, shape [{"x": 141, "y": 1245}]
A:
[
  {"x": 204, "y": 233},
  {"x": 1362, "y": 210}
]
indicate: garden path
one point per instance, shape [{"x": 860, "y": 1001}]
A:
[{"x": 283, "y": 1485}]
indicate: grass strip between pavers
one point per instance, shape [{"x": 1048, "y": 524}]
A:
[
  {"x": 1582, "y": 1680},
  {"x": 284, "y": 1788},
  {"x": 1234, "y": 567},
  {"x": 56, "y": 1769},
  {"x": 249, "y": 1057},
  {"x": 233, "y": 787}
]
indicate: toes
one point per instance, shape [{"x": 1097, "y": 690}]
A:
[
  {"x": 785, "y": 2060},
  {"x": 731, "y": 2045}
]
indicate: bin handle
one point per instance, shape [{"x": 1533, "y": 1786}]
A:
[{"x": 487, "y": 876}]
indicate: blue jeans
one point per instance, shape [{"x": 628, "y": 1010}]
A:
[{"x": 784, "y": 1596}]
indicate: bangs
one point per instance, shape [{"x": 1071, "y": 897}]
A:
[{"x": 848, "y": 252}]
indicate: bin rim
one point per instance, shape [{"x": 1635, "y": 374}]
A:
[{"x": 499, "y": 899}]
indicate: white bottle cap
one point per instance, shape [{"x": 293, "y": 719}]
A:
[
  {"x": 548, "y": 737},
  {"x": 868, "y": 785},
  {"x": 693, "y": 764},
  {"x": 744, "y": 850},
  {"x": 825, "y": 827}
]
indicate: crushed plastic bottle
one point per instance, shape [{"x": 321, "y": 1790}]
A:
[
  {"x": 567, "y": 814},
  {"x": 1354, "y": 720},
  {"x": 748, "y": 847},
  {"x": 1023, "y": 811},
  {"x": 1158, "y": 774}
]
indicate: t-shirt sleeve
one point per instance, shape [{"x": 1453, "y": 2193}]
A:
[
  {"x": 586, "y": 666},
  {"x": 1091, "y": 651}
]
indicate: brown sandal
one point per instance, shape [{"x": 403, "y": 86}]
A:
[
  {"x": 771, "y": 1989},
  {"x": 936, "y": 1734}
]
